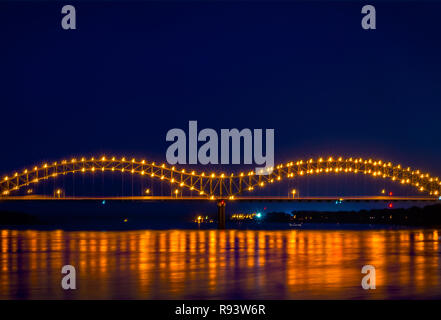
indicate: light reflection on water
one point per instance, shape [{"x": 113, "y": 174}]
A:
[{"x": 232, "y": 264}]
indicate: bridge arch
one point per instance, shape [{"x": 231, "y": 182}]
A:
[{"x": 214, "y": 185}]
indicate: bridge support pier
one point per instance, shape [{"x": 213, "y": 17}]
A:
[{"x": 221, "y": 214}]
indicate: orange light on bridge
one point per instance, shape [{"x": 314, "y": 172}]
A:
[
  {"x": 58, "y": 193},
  {"x": 293, "y": 192}
]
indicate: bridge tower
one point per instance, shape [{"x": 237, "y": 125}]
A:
[{"x": 221, "y": 214}]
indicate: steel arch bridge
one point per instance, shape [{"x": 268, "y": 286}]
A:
[{"x": 224, "y": 186}]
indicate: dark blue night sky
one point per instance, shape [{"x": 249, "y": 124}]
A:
[{"x": 132, "y": 71}]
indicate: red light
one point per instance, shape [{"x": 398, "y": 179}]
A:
[
  {"x": 390, "y": 205},
  {"x": 390, "y": 193}
]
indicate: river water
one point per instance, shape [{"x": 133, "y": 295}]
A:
[{"x": 212, "y": 264}]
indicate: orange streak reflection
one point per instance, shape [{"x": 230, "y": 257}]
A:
[{"x": 179, "y": 264}]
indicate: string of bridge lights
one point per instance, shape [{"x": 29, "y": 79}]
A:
[{"x": 222, "y": 185}]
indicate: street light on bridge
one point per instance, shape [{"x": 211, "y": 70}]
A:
[
  {"x": 58, "y": 193},
  {"x": 293, "y": 192}
]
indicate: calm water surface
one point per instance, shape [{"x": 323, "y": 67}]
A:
[{"x": 232, "y": 264}]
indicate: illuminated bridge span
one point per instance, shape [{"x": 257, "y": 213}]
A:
[
  {"x": 220, "y": 187},
  {"x": 224, "y": 186}
]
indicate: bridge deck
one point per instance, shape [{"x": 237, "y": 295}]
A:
[{"x": 240, "y": 199}]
